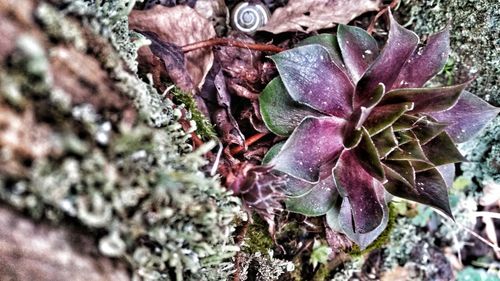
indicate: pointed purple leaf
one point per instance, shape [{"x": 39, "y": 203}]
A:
[
  {"x": 467, "y": 118},
  {"x": 328, "y": 41},
  {"x": 297, "y": 187},
  {"x": 441, "y": 150},
  {"x": 426, "y": 99},
  {"x": 430, "y": 189},
  {"x": 368, "y": 156},
  {"x": 280, "y": 112},
  {"x": 385, "y": 142},
  {"x": 358, "y": 48},
  {"x": 384, "y": 116},
  {"x": 426, "y": 62},
  {"x": 317, "y": 201},
  {"x": 315, "y": 142},
  {"x": 312, "y": 78},
  {"x": 356, "y": 184},
  {"x": 346, "y": 221},
  {"x": 385, "y": 69},
  {"x": 448, "y": 173}
]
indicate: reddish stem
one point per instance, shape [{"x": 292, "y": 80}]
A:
[
  {"x": 248, "y": 142},
  {"x": 230, "y": 43},
  {"x": 392, "y": 5},
  {"x": 196, "y": 140}
]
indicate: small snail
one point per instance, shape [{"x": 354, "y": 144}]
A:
[{"x": 248, "y": 17}]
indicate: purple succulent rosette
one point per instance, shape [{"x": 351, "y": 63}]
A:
[{"x": 361, "y": 127}]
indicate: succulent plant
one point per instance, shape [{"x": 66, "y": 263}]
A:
[{"x": 362, "y": 128}]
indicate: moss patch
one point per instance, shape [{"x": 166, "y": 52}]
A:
[
  {"x": 204, "y": 128},
  {"x": 382, "y": 239},
  {"x": 258, "y": 238}
]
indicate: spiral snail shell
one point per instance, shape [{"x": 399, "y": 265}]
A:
[{"x": 247, "y": 17}]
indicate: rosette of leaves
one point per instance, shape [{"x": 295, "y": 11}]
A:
[{"x": 362, "y": 128}]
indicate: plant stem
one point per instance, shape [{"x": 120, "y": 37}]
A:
[
  {"x": 248, "y": 142},
  {"x": 230, "y": 43}
]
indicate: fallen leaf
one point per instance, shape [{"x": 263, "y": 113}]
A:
[
  {"x": 215, "y": 11},
  {"x": 222, "y": 116},
  {"x": 173, "y": 59},
  {"x": 179, "y": 25},
  {"x": 307, "y": 15}
]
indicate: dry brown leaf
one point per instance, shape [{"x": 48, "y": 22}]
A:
[
  {"x": 180, "y": 25},
  {"x": 307, "y": 15}
]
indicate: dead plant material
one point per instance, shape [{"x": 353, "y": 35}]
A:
[
  {"x": 307, "y": 16},
  {"x": 179, "y": 25},
  {"x": 231, "y": 43}
]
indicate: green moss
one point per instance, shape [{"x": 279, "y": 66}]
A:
[
  {"x": 258, "y": 238},
  {"x": 203, "y": 127},
  {"x": 382, "y": 239}
]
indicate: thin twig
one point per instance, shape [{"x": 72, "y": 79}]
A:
[
  {"x": 230, "y": 43},
  {"x": 239, "y": 238},
  {"x": 248, "y": 142},
  {"x": 473, "y": 233},
  {"x": 371, "y": 27},
  {"x": 492, "y": 215}
]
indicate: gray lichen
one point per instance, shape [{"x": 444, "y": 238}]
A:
[
  {"x": 483, "y": 153},
  {"x": 263, "y": 267},
  {"x": 140, "y": 188}
]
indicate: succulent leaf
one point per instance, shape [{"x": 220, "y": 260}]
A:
[
  {"x": 403, "y": 168},
  {"x": 328, "y": 41},
  {"x": 411, "y": 151},
  {"x": 355, "y": 183},
  {"x": 430, "y": 189},
  {"x": 346, "y": 220},
  {"x": 312, "y": 78},
  {"x": 384, "y": 116},
  {"x": 358, "y": 48},
  {"x": 441, "y": 150},
  {"x": 317, "y": 201},
  {"x": 272, "y": 152},
  {"x": 314, "y": 142},
  {"x": 400, "y": 45},
  {"x": 428, "y": 60},
  {"x": 426, "y": 130},
  {"x": 467, "y": 118},
  {"x": 448, "y": 173},
  {"x": 280, "y": 112},
  {"x": 385, "y": 142},
  {"x": 368, "y": 156},
  {"x": 354, "y": 140},
  {"x": 426, "y": 99}
]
